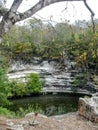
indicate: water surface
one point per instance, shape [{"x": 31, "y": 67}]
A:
[{"x": 48, "y": 104}]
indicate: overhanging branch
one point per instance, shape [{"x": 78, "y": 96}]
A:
[
  {"x": 92, "y": 14},
  {"x": 43, "y": 3},
  {"x": 40, "y": 5}
]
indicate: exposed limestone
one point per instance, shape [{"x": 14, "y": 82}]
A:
[
  {"x": 88, "y": 107},
  {"x": 12, "y": 126},
  {"x": 15, "y": 127},
  {"x": 58, "y": 78}
]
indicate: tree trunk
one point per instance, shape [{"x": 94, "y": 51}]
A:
[{"x": 5, "y": 26}]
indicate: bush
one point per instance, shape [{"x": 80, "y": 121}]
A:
[
  {"x": 5, "y": 89},
  {"x": 6, "y": 112},
  {"x": 18, "y": 88},
  {"x": 31, "y": 108},
  {"x": 34, "y": 84},
  {"x": 79, "y": 81}
]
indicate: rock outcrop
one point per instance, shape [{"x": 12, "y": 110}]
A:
[
  {"x": 57, "y": 77},
  {"x": 88, "y": 107}
]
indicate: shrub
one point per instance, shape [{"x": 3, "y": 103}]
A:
[
  {"x": 79, "y": 81},
  {"x": 31, "y": 108},
  {"x": 5, "y": 89},
  {"x": 34, "y": 84},
  {"x": 18, "y": 88},
  {"x": 6, "y": 112}
]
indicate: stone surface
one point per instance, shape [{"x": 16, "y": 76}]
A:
[
  {"x": 88, "y": 107},
  {"x": 57, "y": 77},
  {"x": 15, "y": 127},
  {"x": 71, "y": 121},
  {"x": 51, "y": 73}
]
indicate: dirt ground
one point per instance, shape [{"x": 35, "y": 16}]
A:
[{"x": 64, "y": 122}]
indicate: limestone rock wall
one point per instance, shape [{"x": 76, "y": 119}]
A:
[{"x": 88, "y": 107}]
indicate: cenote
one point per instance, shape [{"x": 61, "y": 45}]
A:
[{"x": 47, "y": 104}]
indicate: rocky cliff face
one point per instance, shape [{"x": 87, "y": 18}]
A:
[{"x": 58, "y": 78}]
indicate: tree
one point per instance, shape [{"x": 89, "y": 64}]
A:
[{"x": 11, "y": 16}]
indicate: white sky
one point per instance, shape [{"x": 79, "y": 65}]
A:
[{"x": 75, "y": 10}]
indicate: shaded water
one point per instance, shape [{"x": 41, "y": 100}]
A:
[{"x": 48, "y": 104}]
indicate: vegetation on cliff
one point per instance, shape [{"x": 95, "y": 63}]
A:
[{"x": 50, "y": 42}]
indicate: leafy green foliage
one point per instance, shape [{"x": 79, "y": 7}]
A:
[
  {"x": 49, "y": 42},
  {"x": 6, "y": 112},
  {"x": 34, "y": 84},
  {"x": 5, "y": 89},
  {"x": 18, "y": 88},
  {"x": 80, "y": 81},
  {"x": 14, "y": 88},
  {"x": 22, "y": 111}
]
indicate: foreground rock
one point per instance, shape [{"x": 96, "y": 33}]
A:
[
  {"x": 15, "y": 127},
  {"x": 88, "y": 107},
  {"x": 70, "y": 121}
]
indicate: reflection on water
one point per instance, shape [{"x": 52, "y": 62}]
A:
[{"x": 48, "y": 104}]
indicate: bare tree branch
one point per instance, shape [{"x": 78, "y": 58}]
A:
[
  {"x": 41, "y": 4},
  {"x": 92, "y": 14},
  {"x": 88, "y": 7}
]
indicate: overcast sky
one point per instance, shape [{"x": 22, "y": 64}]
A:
[{"x": 62, "y": 11}]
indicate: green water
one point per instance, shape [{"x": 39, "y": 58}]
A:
[{"x": 48, "y": 104}]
